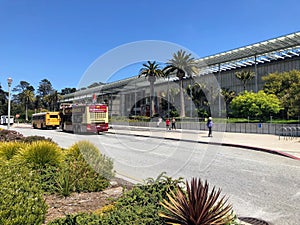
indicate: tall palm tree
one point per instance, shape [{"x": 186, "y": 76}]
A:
[
  {"x": 182, "y": 65},
  {"x": 151, "y": 71},
  {"x": 244, "y": 76},
  {"x": 27, "y": 97},
  {"x": 52, "y": 100}
]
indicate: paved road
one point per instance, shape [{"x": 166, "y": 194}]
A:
[
  {"x": 258, "y": 184},
  {"x": 289, "y": 147}
]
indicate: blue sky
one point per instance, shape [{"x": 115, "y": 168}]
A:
[{"x": 59, "y": 39}]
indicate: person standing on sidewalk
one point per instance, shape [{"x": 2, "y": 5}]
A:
[
  {"x": 167, "y": 124},
  {"x": 209, "y": 126},
  {"x": 173, "y": 123},
  {"x": 159, "y": 121}
]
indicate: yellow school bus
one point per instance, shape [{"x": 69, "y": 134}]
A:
[{"x": 45, "y": 120}]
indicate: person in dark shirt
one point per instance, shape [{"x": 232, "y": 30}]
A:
[
  {"x": 173, "y": 123},
  {"x": 209, "y": 126}
]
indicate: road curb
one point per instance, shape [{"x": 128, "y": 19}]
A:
[{"x": 274, "y": 152}]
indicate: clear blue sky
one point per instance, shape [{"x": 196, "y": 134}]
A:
[{"x": 59, "y": 39}]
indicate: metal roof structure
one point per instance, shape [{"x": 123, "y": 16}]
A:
[
  {"x": 286, "y": 46},
  {"x": 266, "y": 51}
]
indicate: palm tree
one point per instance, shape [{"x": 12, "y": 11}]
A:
[
  {"x": 195, "y": 91},
  {"x": 27, "y": 97},
  {"x": 182, "y": 65},
  {"x": 52, "y": 100},
  {"x": 151, "y": 71},
  {"x": 244, "y": 76}
]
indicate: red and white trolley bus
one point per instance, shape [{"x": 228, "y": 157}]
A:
[{"x": 81, "y": 118}]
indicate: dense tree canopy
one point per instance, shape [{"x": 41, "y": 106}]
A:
[
  {"x": 66, "y": 91},
  {"x": 255, "y": 105},
  {"x": 3, "y": 101},
  {"x": 286, "y": 87},
  {"x": 25, "y": 101},
  {"x": 23, "y": 97},
  {"x": 45, "y": 88}
]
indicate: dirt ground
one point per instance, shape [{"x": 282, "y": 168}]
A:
[{"x": 84, "y": 202}]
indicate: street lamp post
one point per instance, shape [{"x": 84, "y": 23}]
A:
[
  {"x": 9, "y": 81},
  {"x": 168, "y": 98}
]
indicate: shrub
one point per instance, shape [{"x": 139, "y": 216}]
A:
[
  {"x": 141, "y": 204},
  {"x": 21, "y": 200},
  {"x": 255, "y": 105},
  {"x": 30, "y": 139},
  {"x": 91, "y": 154},
  {"x": 42, "y": 154},
  {"x": 79, "y": 219},
  {"x": 85, "y": 169},
  {"x": 9, "y": 149},
  {"x": 196, "y": 206},
  {"x": 10, "y": 135},
  {"x": 64, "y": 182},
  {"x": 152, "y": 191},
  {"x": 128, "y": 215}
]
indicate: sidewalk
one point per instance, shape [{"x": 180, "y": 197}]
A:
[{"x": 260, "y": 142}]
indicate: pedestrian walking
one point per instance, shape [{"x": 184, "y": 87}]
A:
[
  {"x": 173, "y": 123},
  {"x": 159, "y": 121},
  {"x": 167, "y": 124},
  {"x": 209, "y": 126}
]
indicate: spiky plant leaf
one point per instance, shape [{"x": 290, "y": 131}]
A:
[{"x": 196, "y": 206}]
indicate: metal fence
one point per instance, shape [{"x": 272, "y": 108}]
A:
[{"x": 282, "y": 130}]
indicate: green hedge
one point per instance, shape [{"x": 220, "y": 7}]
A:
[{"x": 21, "y": 198}]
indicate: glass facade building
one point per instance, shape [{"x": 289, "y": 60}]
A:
[{"x": 132, "y": 96}]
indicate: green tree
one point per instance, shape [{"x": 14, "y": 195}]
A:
[
  {"x": 228, "y": 96},
  {"x": 3, "y": 101},
  {"x": 28, "y": 97},
  {"x": 244, "y": 76},
  {"x": 182, "y": 65},
  {"x": 151, "y": 71},
  {"x": 24, "y": 96},
  {"x": 196, "y": 92},
  {"x": 45, "y": 89},
  {"x": 22, "y": 86},
  {"x": 66, "y": 91},
  {"x": 255, "y": 105},
  {"x": 38, "y": 103},
  {"x": 286, "y": 87},
  {"x": 53, "y": 99},
  {"x": 18, "y": 90}
]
